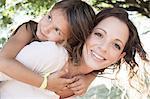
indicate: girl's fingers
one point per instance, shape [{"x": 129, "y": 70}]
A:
[
  {"x": 79, "y": 92},
  {"x": 64, "y": 88},
  {"x": 69, "y": 81},
  {"x": 75, "y": 84},
  {"x": 65, "y": 83},
  {"x": 76, "y": 88},
  {"x": 59, "y": 92}
]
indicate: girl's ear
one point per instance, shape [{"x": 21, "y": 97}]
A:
[{"x": 122, "y": 55}]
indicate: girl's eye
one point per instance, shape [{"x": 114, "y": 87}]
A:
[
  {"x": 117, "y": 46},
  {"x": 57, "y": 31},
  {"x": 98, "y": 34},
  {"x": 49, "y": 17}
]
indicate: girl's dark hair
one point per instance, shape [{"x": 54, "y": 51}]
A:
[
  {"x": 81, "y": 17},
  {"x": 133, "y": 44}
]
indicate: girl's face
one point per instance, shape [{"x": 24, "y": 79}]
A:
[
  {"x": 53, "y": 26},
  {"x": 106, "y": 43}
]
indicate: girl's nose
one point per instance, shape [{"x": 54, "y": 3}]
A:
[{"x": 47, "y": 29}]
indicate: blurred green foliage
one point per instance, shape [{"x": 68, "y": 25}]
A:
[
  {"x": 31, "y": 7},
  {"x": 2, "y": 3},
  {"x": 35, "y": 7},
  {"x": 2, "y": 40},
  {"x": 102, "y": 92}
]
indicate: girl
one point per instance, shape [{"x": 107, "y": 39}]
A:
[{"x": 68, "y": 19}]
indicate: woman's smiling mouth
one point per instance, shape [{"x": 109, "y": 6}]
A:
[{"x": 97, "y": 56}]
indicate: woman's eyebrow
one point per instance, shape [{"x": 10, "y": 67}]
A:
[
  {"x": 102, "y": 30},
  {"x": 120, "y": 42}
]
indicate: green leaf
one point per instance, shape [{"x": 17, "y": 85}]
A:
[
  {"x": 2, "y": 40},
  {"x": 2, "y": 3},
  {"x": 98, "y": 92}
]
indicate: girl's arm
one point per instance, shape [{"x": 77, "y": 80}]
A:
[
  {"x": 10, "y": 66},
  {"x": 13, "y": 68},
  {"x": 4, "y": 77}
]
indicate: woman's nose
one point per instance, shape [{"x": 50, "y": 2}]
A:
[{"x": 104, "y": 46}]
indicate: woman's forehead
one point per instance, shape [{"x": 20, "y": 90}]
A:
[{"x": 114, "y": 27}]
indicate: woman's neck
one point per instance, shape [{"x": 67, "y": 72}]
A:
[{"x": 77, "y": 70}]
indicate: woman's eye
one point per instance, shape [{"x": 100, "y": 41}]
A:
[
  {"x": 98, "y": 34},
  {"x": 117, "y": 46}
]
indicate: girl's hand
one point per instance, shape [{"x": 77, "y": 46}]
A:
[
  {"x": 80, "y": 86},
  {"x": 57, "y": 83},
  {"x": 65, "y": 93}
]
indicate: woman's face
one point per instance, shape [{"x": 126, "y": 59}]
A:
[{"x": 106, "y": 43}]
